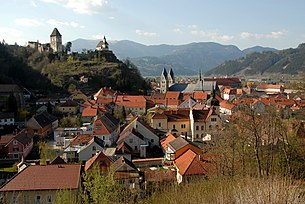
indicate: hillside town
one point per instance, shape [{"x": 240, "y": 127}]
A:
[{"x": 167, "y": 135}]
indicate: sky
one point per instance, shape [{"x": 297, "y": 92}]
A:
[{"x": 244, "y": 23}]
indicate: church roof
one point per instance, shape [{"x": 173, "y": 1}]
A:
[
  {"x": 164, "y": 73},
  {"x": 55, "y": 32},
  {"x": 189, "y": 88},
  {"x": 171, "y": 73}
]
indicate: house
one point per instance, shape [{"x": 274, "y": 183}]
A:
[
  {"x": 6, "y": 119},
  {"x": 125, "y": 171},
  {"x": 135, "y": 104},
  {"x": 134, "y": 141},
  {"x": 270, "y": 88},
  {"x": 83, "y": 147},
  {"x": 78, "y": 95},
  {"x": 101, "y": 160},
  {"x": 104, "y": 96},
  {"x": 106, "y": 128},
  {"x": 189, "y": 164},
  {"x": 89, "y": 114},
  {"x": 17, "y": 146},
  {"x": 172, "y": 99},
  {"x": 178, "y": 146},
  {"x": 227, "y": 108},
  {"x": 149, "y": 136},
  {"x": 42, "y": 124},
  {"x": 63, "y": 135},
  {"x": 68, "y": 107},
  {"x": 39, "y": 184}
]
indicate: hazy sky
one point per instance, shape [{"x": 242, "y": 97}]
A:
[{"x": 244, "y": 23}]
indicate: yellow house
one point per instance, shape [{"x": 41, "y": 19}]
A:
[
  {"x": 195, "y": 124},
  {"x": 79, "y": 95},
  {"x": 40, "y": 184},
  {"x": 69, "y": 107}
]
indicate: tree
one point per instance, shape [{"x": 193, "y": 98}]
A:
[{"x": 12, "y": 104}]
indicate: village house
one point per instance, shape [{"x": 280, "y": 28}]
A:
[
  {"x": 83, "y": 147},
  {"x": 107, "y": 128},
  {"x": 68, "y": 107},
  {"x": 100, "y": 160},
  {"x": 11, "y": 89},
  {"x": 78, "y": 95},
  {"x": 39, "y": 184},
  {"x": 270, "y": 88},
  {"x": 16, "y": 146},
  {"x": 42, "y": 124},
  {"x": 227, "y": 108},
  {"x": 135, "y": 104}
]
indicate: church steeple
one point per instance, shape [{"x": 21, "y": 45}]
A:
[
  {"x": 170, "y": 77},
  {"x": 163, "y": 81}
]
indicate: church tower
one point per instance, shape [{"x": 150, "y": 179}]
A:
[
  {"x": 171, "y": 78},
  {"x": 56, "y": 41},
  {"x": 164, "y": 81},
  {"x": 102, "y": 45}
]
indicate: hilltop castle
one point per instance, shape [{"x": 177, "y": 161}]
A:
[{"x": 54, "y": 46}]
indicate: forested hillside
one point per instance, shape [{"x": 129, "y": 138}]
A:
[
  {"x": 62, "y": 73},
  {"x": 289, "y": 61}
]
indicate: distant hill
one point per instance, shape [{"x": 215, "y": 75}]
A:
[
  {"x": 257, "y": 49},
  {"x": 288, "y": 61},
  {"x": 185, "y": 59}
]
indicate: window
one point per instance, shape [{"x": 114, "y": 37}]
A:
[
  {"x": 197, "y": 127},
  {"x": 49, "y": 199},
  {"x": 135, "y": 148},
  {"x": 210, "y": 126},
  {"x": 15, "y": 142},
  {"x": 197, "y": 136},
  {"x": 94, "y": 148},
  {"x": 16, "y": 156},
  {"x": 213, "y": 119},
  {"x": 15, "y": 149},
  {"x": 38, "y": 199},
  {"x": 152, "y": 140},
  {"x": 182, "y": 125},
  {"x": 159, "y": 124},
  {"x": 202, "y": 127},
  {"x": 174, "y": 126},
  {"x": 130, "y": 140}
]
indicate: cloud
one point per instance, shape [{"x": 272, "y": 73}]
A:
[
  {"x": 111, "y": 17},
  {"x": 27, "y": 22},
  {"x": 64, "y": 23},
  {"x": 97, "y": 37},
  {"x": 81, "y": 6},
  {"x": 177, "y": 30},
  {"x": 147, "y": 34},
  {"x": 212, "y": 35},
  {"x": 11, "y": 35},
  {"x": 272, "y": 35}
]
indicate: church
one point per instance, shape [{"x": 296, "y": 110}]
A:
[{"x": 167, "y": 83}]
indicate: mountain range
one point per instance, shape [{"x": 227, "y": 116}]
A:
[
  {"x": 289, "y": 61},
  {"x": 185, "y": 59}
]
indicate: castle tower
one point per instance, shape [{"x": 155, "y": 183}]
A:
[
  {"x": 102, "y": 45},
  {"x": 170, "y": 77},
  {"x": 164, "y": 81},
  {"x": 56, "y": 41}
]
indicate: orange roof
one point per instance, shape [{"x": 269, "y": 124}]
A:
[
  {"x": 89, "y": 112},
  {"x": 172, "y": 95},
  {"x": 189, "y": 163},
  {"x": 226, "y": 105},
  {"x": 200, "y": 95},
  {"x": 96, "y": 158},
  {"x": 50, "y": 177},
  {"x": 269, "y": 86},
  {"x": 82, "y": 139},
  {"x": 103, "y": 100},
  {"x": 131, "y": 101},
  {"x": 168, "y": 138}
]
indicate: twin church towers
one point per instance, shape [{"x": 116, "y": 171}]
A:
[{"x": 167, "y": 80}]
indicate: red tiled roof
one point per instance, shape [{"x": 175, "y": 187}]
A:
[
  {"x": 123, "y": 146},
  {"x": 189, "y": 163},
  {"x": 89, "y": 112},
  {"x": 268, "y": 86},
  {"x": 131, "y": 101},
  {"x": 82, "y": 139},
  {"x": 226, "y": 105},
  {"x": 200, "y": 95},
  {"x": 50, "y": 177},
  {"x": 97, "y": 157},
  {"x": 168, "y": 138}
]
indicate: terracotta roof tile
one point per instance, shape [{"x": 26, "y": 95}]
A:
[
  {"x": 131, "y": 101},
  {"x": 89, "y": 112},
  {"x": 50, "y": 177}
]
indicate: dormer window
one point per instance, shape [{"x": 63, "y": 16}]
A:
[{"x": 15, "y": 142}]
